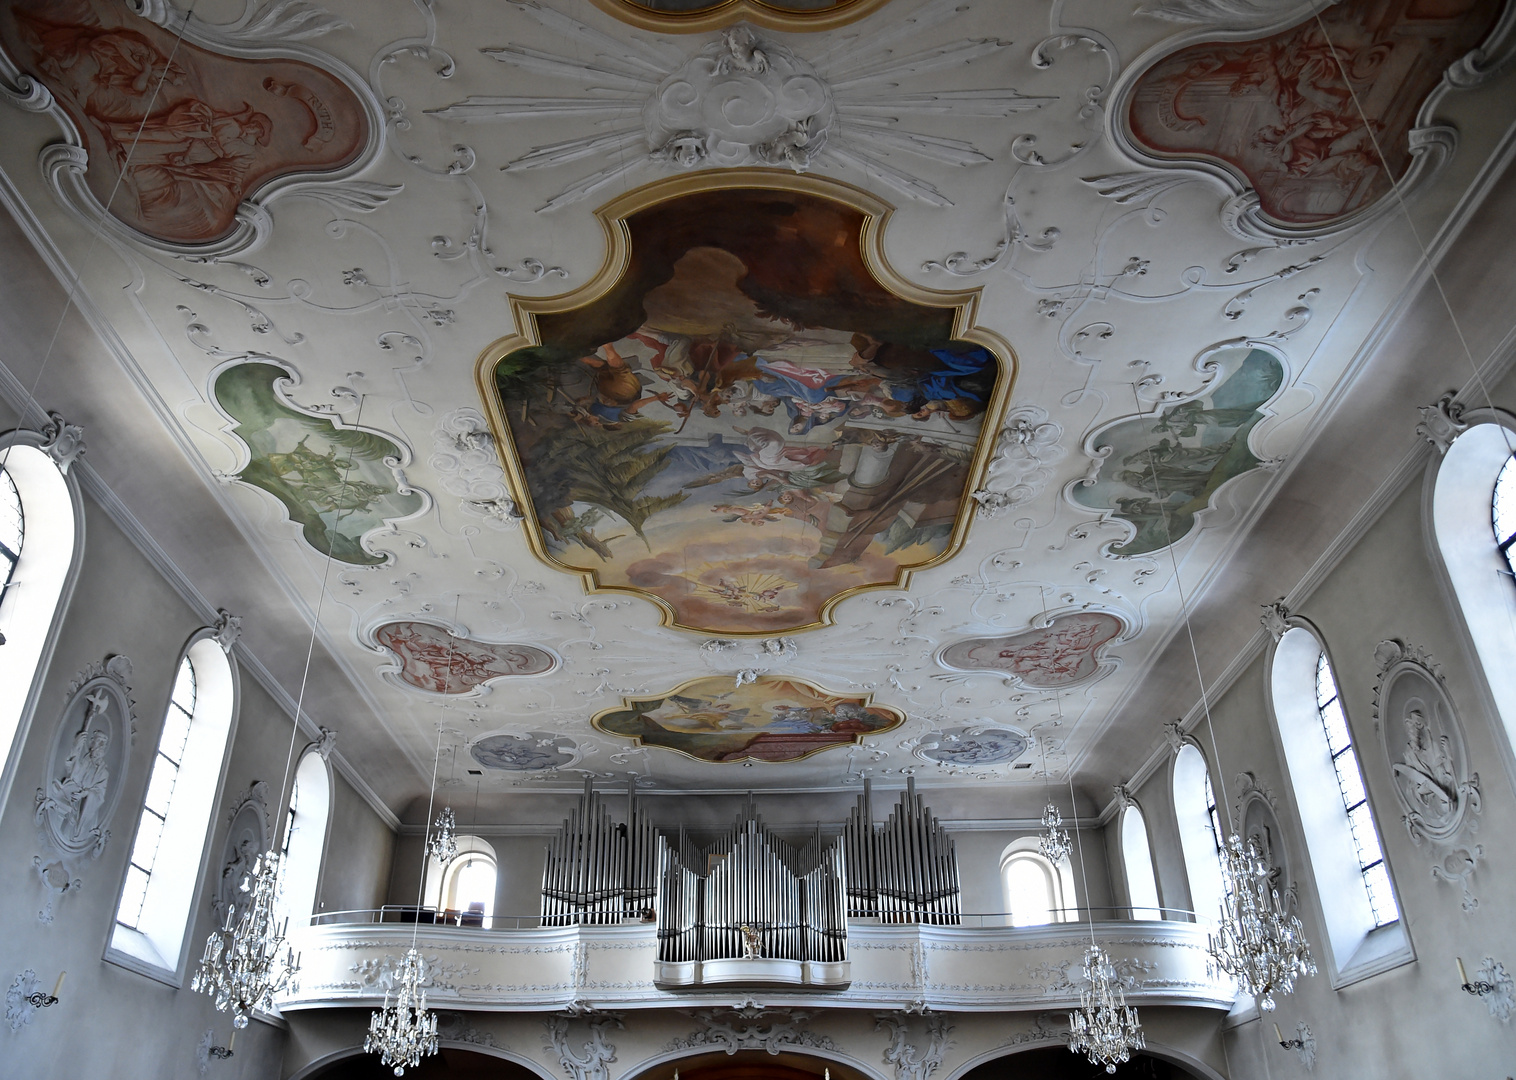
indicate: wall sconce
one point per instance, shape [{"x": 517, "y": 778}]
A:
[
  {"x": 1492, "y": 985},
  {"x": 1303, "y": 1045},
  {"x": 38, "y": 1000},
  {"x": 221, "y": 1053}
]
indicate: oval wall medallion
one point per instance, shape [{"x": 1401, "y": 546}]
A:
[{"x": 87, "y": 763}]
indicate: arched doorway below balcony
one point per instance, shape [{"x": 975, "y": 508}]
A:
[
  {"x": 448, "y": 1063},
  {"x": 1057, "y": 1063}
]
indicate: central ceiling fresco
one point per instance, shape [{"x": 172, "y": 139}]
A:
[
  {"x": 746, "y": 425},
  {"x": 726, "y": 394}
]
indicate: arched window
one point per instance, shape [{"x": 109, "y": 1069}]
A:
[
  {"x": 1347, "y": 861},
  {"x": 1503, "y": 512},
  {"x": 1471, "y": 488},
  {"x": 1199, "y": 830},
  {"x": 39, "y": 541},
  {"x": 471, "y": 878},
  {"x": 168, "y": 851},
  {"x": 1137, "y": 861},
  {"x": 1034, "y": 888},
  {"x": 305, "y": 838}
]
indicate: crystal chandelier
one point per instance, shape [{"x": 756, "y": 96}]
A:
[
  {"x": 442, "y": 845},
  {"x": 1104, "y": 1028},
  {"x": 405, "y": 1032},
  {"x": 1054, "y": 841},
  {"x": 247, "y": 962},
  {"x": 1257, "y": 941}
]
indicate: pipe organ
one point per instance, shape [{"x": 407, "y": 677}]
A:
[
  {"x": 751, "y": 908},
  {"x": 599, "y": 871},
  {"x": 904, "y": 871}
]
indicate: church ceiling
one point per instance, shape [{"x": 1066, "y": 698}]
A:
[{"x": 741, "y": 394}]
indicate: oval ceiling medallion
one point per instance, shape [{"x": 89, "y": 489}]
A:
[
  {"x": 747, "y": 416},
  {"x": 768, "y": 719}
]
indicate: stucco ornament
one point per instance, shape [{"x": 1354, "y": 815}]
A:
[
  {"x": 1258, "y": 819},
  {"x": 247, "y": 837},
  {"x": 57, "y": 881},
  {"x": 1275, "y": 618},
  {"x": 1501, "y": 1000},
  {"x": 593, "y": 1059},
  {"x": 740, "y": 101},
  {"x": 62, "y": 441},
  {"x": 1427, "y": 757},
  {"x": 18, "y": 1011},
  {"x": 325, "y": 743},
  {"x": 1025, "y": 450},
  {"x": 751, "y": 1027},
  {"x": 915, "y": 1057},
  {"x": 87, "y": 762},
  {"x": 1441, "y": 422},
  {"x": 228, "y": 629}
]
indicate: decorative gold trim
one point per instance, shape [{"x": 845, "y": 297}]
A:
[
  {"x": 866, "y": 700},
  {"x": 612, "y": 217},
  {"x": 769, "y": 16}
]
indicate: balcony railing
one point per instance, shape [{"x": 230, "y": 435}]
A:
[{"x": 983, "y": 963}]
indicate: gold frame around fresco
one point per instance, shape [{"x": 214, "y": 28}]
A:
[
  {"x": 612, "y": 217},
  {"x": 866, "y": 698},
  {"x": 727, "y": 12}
]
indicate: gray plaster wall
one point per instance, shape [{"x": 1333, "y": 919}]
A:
[{"x": 110, "y": 1021}]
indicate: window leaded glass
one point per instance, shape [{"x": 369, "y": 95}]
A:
[
  {"x": 1355, "y": 800},
  {"x": 12, "y": 530},
  {"x": 160, "y": 793},
  {"x": 1503, "y": 512}
]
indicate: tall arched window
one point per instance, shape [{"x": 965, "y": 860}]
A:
[
  {"x": 1347, "y": 860},
  {"x": 472, "y": 877},
  {"x": 168, "y": 850},
  {"x": 1471, "y": 488},
  {"x": 305, "y": 838},
  {"x": 1199, "y": 830},
  {"x": 1033, "y": 891},
  {"x": 39, "y": 541},
  {"x": 1137, "y": 861}
]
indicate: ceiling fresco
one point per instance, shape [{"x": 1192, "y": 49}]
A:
[
  {"x": 651, "y": 390},
  {"x": 1063, "y": 653},
  {"x": 747, "y": 425},
  {"x": 1284, "y": 109},
  {"x": 339, "y": 483},
  {"x": 178, "y": 136},
  {"x": 432, "y": 659},
  {"x": 768, "y": 719}
]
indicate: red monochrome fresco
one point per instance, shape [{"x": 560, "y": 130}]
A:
[
  {"x": 1065, "y": 652},
  {"x": 431, "y": 659},
  {"x": 178, "y": 136},
  {"x": 1284, "y": 110}
]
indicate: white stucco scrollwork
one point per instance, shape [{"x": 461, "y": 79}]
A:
[
  {"x": 915, "y": 1057},
  {"x": 593, "y": 1059}
]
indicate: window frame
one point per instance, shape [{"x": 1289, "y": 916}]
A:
[
  {"x": 1205, "y": 882},
  {"x": 311, "y": 758},
  {"x": 144, "y": 951},
  {"x": 54, "y": 541},
  {"x": 1131, "y": 814},
  {"x": 11, "y": 558},
  {"x": 1316, "y": 819},
  {"x": 1065, "y": 898}
]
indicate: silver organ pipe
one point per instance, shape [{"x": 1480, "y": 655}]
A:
[
  {"x": 599, "y": 871},
  {"x": 905, "y": 870}
]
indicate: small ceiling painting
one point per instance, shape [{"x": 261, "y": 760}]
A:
[
  {"x": 532, "y": 752},
  {"x": 748, "y": 424},
  {"x": 972, "y": 747},
  {"x": 1065, "y": 652},
  {"x": 769, "y": 719},
  {"x": 1279, "y": 110},
  {"x": 438, "y": 662},
  {"x": 187, "y": 133},
  {"x": 338, "y": 483},
  {"x": 1160, "y": 471}
]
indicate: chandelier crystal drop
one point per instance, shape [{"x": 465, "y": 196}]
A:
[
  {"x": 1104, "y": 1028},
  {"x": 405, "y": 1032},
  {"x": 1257, "y": 942},
  {"x": 247, "y": 962},
  {"x": 442, "y": 845},
  {"x": 1054, "y": 842}
]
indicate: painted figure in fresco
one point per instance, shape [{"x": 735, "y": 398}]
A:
[
  {"x": 530, "y": 753},
  {"x": 434, "y": 660},
  {"x": 324, "y": 480},
  {"x": 1063, "y": 653}
]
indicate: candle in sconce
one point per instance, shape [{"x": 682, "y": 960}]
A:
[
  {"x": 233, "y": 1040},
  {"x": 1279, "y": 1035},
  {"x": 57, "y": 986},
  {"x": 1463, "y": 976}
]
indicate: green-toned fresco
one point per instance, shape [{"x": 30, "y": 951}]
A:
[
  {"x": 336, "y": 482},
  {"x": 1163, "y": 470}
]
